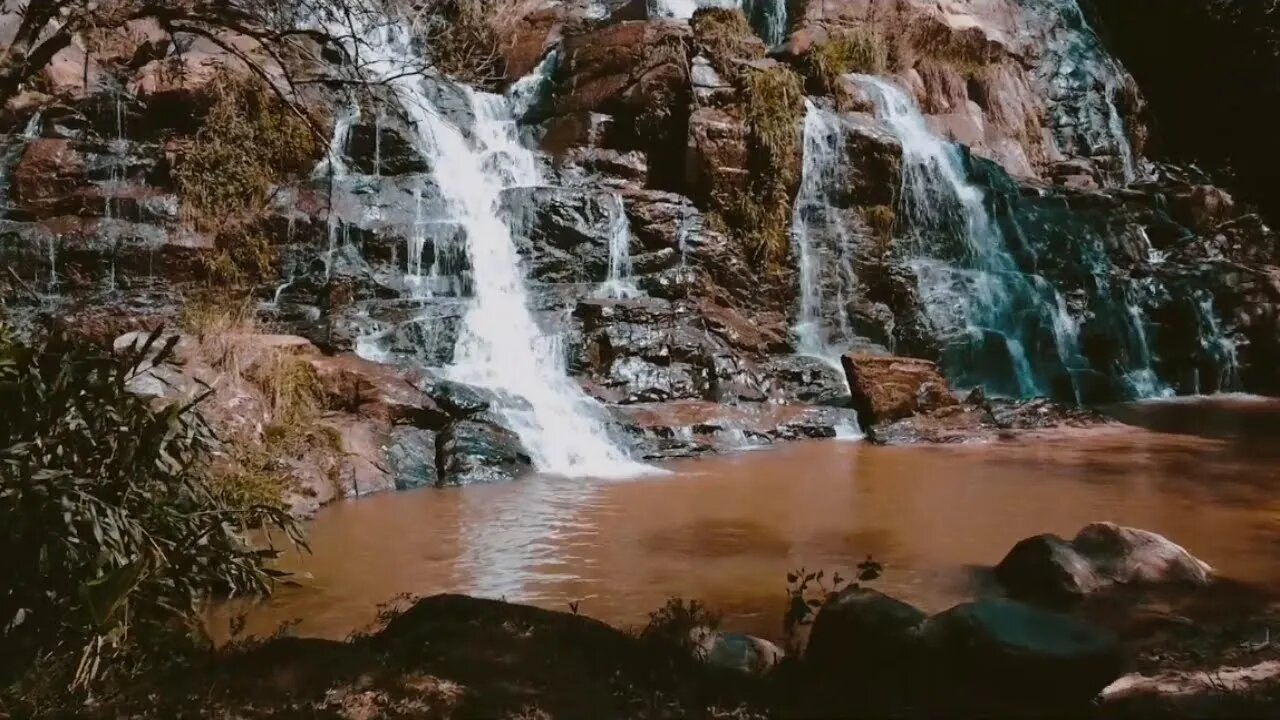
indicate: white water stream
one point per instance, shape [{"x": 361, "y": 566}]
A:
[
  {"x": 817, "y": 225},
  {"x": 500, "y": 345}
]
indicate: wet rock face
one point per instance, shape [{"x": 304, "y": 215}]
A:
[
  {"x": 471, "y": 451},
  {"x": 1025, "y": 84}
]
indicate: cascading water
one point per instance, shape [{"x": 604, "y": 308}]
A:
[
  {"x": 499, "y": 346},
  {"x": 619, "y": 283},
  {"x": 970, "y": 282},
  {"x": 1219, "y": 350},
  {"x": 12, "y": 153},
  {"x": 817, "y": 225}
]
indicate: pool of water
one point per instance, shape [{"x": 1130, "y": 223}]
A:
[{"x": 726, "y": 530}]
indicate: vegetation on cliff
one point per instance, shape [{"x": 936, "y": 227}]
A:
[
  {"x": 771, "y": 106},
  {"x": 856, "y": 50},
  {"x": 113, "y": 534},
  {"x": 248, "y": 144}
]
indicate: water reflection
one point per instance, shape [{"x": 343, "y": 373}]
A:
[{"x": 727, "y": 530}]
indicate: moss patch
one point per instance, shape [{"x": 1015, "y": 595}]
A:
[
  {"x": 724, "y": 36},
  {"x": 860, "y": 50},
  {"x": 248, "y": 143},
  {"x": 773, "y": 107}
]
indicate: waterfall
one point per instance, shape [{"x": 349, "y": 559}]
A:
[
  {"x": 500, "y": 345},
  {"x": 972, "y": 288},
  {"x": 619, "y": 283},
  {"x": 1219, "y": 349},
  {"x": 815, "y": 220},
  {"x": 335, "y": 168},
  {"x": 1119, "y": 135}
]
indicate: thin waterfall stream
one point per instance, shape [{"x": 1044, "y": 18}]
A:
[{"x": 816, "y": 225}]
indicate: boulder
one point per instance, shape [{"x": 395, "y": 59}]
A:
[
  {"x": 863, "y": 634},
  {"x": 740, "y": 653},
  {"x": 891, "y": 388},
  {"x": 998, "y": 655},
  {"x": 1047, "y": 569},
  {"x": 472, "y": 451}
]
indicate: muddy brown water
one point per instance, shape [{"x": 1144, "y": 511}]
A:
[{"x": 726, "y": 530}]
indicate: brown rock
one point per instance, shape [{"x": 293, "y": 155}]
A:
[
  {"x": 48, "y": 171},
  {"x": 891, "y": 388},
  {"x": 375, "y": 391},
  {"x": 716, "y": 156}
]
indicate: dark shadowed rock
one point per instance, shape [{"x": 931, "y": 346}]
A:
[
  {"x": 891, "y": 388},
  {"x": 1048, "y": 569},
  {"x": 1002, "y": 655},
  {"x": 863, "y": 634},
  {"x": 469, "y": 451}
]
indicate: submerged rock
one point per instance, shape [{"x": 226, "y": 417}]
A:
[{"x": 1048, "y": 569}]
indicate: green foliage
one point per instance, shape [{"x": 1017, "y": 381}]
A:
[
  {"x": 808, "y": 592},
  {"x": 724, "y": 36},
  {"x": 111, "y": 535},
  {"x": 676, "y": 625},
  {"x": 851, "y": 51},
  {"x": 774, "y": 107},
  {"x": 249, "y": 142}
]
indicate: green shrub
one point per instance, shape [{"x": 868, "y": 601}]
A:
[
  {"x": 111, "y": 534},
  {"x": 724, "y": 36},
  {"x": 249, "y": 142},
  {"x": 774, "y": 107},
  {"x": 674, "y": 626},
  {"x": 851, "y": 51}
]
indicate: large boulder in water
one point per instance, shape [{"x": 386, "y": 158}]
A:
[
  {"x": 891, "y": 388},
  {"x": 999, "y": 654},
  {"x": 1050, "y": 570}
]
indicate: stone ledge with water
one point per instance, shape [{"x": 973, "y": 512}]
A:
[{"x": 552, "y": 247}]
